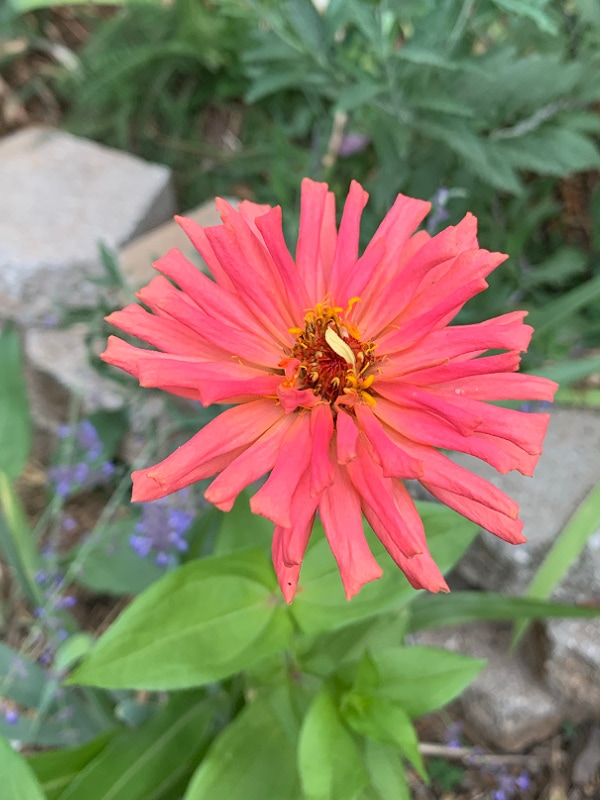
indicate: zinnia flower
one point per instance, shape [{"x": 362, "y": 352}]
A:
[{"x": 344, "y": 376}]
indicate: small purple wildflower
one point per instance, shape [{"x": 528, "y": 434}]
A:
[
  {"x": 85, "y": 472},
  {"x": 452, "y": 734},
  {"x": 68, "y": 601},
  {"x": 69, "y": 524},
  {"x": 508, "y": 785},
  {"x": 353, "y": 143},
  {"x": 161, "y": 531},
  {"x": 11, "y": 716}
]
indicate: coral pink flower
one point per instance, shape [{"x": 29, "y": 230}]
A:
[{"x": 345, "y": 378}]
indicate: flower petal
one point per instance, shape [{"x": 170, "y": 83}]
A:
[
  {"x": 235, "y": 428},
  {"x": 346, "y": 437},
  {"x": 274, "y": 499},
  {"x": 377, "y": 492},
  {"x": 252, "y": 464},
  {"x": 340, "y": 512},
  {"x": 308, "y": 251},
  {"x": 322, "y": 469}
]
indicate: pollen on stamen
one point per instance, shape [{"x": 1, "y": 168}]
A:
[{"x": 331, "y": 359}]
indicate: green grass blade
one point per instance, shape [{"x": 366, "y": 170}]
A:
[
  {"x": 563, "y": 553},
  {"x": 439, "y": 611}
]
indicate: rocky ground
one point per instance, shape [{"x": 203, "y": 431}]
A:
[{"x": 528, "y": 725}]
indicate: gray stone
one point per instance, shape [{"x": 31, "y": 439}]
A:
[
  {"x": 506, "y": 706},
  {"x": 62, "y": 195},
  {"x": 135, "y": 259},
  {"x": 573, "y": 664},
  {"x": 58, "y": 368},
  {"x": 568, "y": 469}
]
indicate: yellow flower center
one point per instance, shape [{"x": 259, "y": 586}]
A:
[{"x": 334, "y": 363}]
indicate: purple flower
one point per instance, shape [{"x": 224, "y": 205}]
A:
[
  {"x": 161, "y": 531},
  {"x": 11, "y": 716},
  {"x": 353, "y": 143}
]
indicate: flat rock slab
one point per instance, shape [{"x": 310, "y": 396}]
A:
[
  {"x": 61, "y": 195},
  {"x": 506, "y": 705},
  {"x": 135, "y": 260},
  {"x": 573, "y": 664},
  {"x": 567, "y": 471}
]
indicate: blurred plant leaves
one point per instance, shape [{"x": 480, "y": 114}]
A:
[
  {"x": 18, "y": 780},
  {"x": 329, "y": 761},
  {"x": 55, "y": 770},
  {"x": 422, "y": 679},
  {"x": 15, "y": 420},
  {"x": 200, "y": 623},
  {"x": 17, "y": 542},
  {"x": 113, "y": 566},
  {"x": 386, "y": 772},
  {"x": 434, "y": 611},
  {"x": 151, "y": 761},
  {"x": 254, "y": 758}
]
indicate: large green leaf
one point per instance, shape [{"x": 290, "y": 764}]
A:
[
  {"x": 15, "y": 421},
  {"x": 18, "y": 780},
  {"x": 422, "y": 679},
  {"x": 254, "y": 758},
  {"x": 55, "y": 770},
  {"x": 198, "y": 624},
  {"x": 329, "y": 760},
  {"x": 433, "y": 611},
  {"x": 144, "y": 763},
  {"x": 320, "y": 603},
  {"x": 386, "y": 772},
  {"x": 385, "y": 722}
]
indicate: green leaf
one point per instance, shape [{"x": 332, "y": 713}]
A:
[
  {"x": 384, "y": 722},
  {"x": 386, "y": 771},
  {"x": 533, "y": 10},
  {"x": 570, "y": 371},
  {"x": 551, "y": 151},
  {"x": 564, "y": 306},
  {"x": 358, "y": 94},
  {"x": 563, "y": 265},
  {"x": 18, "y": 779},
  {"x": 564, "y": 552},
  {"x": 22, "y": 680},
  {"x": 15, "y": 421},
  {"x": 320, "y": 603},
  {"x": 240, "y": 529},
  {"x": 17, "y": 540},
  {"x": 424, "y": 57},
  {"x": 254, "y": 758},
  {"x": 113, "y": 567},
  {"x": 433, "y": 611},
  {"x": 144, "y": 763},
  {"x": 198, "y": 624},
  {"x": 422, "y": 679},
  {"x": 329, "y": 760},
  {"x": 56, "y": 770}
]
